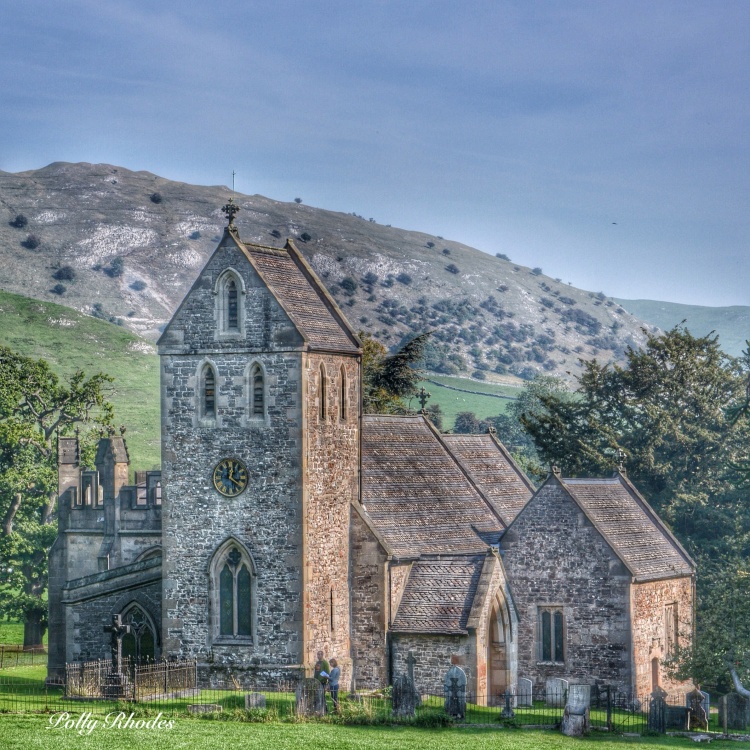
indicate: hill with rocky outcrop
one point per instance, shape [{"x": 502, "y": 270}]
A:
[{"x": 126, "y": 246}]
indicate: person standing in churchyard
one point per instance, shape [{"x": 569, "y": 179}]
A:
[
  {"x": 322, "y": 670},
  {"x": 333, "y": 684}
]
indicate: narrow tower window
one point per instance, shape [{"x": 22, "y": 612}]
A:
[
  {"x": 323, "y": 393},
  {"x": 258, "y": 399},
  {"x": 232, "y": 315},
  {"x": 342, "y": 394},
  {"x": 209, "y": 393},
  {"x": 235, "y": 596}
]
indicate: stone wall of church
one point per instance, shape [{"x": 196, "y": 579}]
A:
[
  {"x": 555, "y": 558},
  {"x": 331, "y": 484},
  {"x": 650, "y": 601},
  {"x": 433, "y": 654},
  {"x": 369, "y": 591}
]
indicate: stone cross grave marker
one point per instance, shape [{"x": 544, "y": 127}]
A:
[
  {"x": 657, "y": 711},
  {"x": 556, "y": 690},
  {"x": 733, "y": 712},
  {"x": 310, "y": 698},
  {"x": 525, "y": 695},
  {"x": 404, "y": 694},
  {"x": 117, "y": 631},
  {"x": 508, "y": 699},
  {"x": 454, "y": 689},
  {"x": 698, "y": 704}
]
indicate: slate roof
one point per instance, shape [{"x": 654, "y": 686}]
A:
[
  {"x": 303, "y": 298},
  {"x": 417, "y": 495},
  {"x": 494, "y": 471},
  {"x": 631, "y": 527},
  {"x": 439, "y": 594}
]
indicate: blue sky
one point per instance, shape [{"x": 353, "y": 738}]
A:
[{"x": 606, "y": 142}]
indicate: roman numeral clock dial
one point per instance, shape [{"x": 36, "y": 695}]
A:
[{"x": 230, "y": 477}]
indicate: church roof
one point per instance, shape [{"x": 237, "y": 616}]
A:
[
  {"x": 417, "y": 495},
  {"x": 495, "y": 472},
  {"x": 304, "y": 299},
  {"x": 439, "y": 595},
  {"x": 631, "y": 527}
]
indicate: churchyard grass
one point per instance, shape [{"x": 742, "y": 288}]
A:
[{"x": 31, "y": 731}]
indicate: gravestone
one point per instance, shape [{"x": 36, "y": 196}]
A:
[
  {"x": 403, "y": 696},
  {"x": 556, "y": 690},
  {"x": 733, "y": 712},
  {"x": 254, "y": 700},
  {"x": 525, "y": 694},
  {"x": 310, "y": 698},
  {"x": 454, "y": 689},
  {"x": 116, "y": 682},
  {"x": 575, "y": 722},
  {"x": 508, "y": 712},
  {"x": 698, "y": 705},
  {"x": 657, "y": 711},
  {"x": 677, "y": 717},
  {"x": 204, "y": 708}
]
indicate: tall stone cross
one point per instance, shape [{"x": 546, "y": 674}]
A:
[
  {"x": 410, "y": 662},
  {"x": 117, "y": 631},
  {"x": 423, "y": 396}
]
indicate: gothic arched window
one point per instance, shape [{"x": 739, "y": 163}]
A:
[
  {"x": 323, "y": 393},
  {"x": 231, "y": 305},
  {"x": 229, "y": 308},
  {"x": 208, "y": 393},
  {"x": 342, "y": 394},
  {"x": 234, "y": 592},
  {"x": 139, "y": 644},
  {"x": 257, "y": 393}
]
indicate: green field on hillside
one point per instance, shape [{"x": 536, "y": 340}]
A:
[
  {"x": 70, "y": 341},
  {"x": 488, "y": 399}
]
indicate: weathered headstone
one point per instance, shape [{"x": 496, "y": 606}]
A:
[
  {"x": 454, "y": 688},
  {"x": 310, "y": 698},
  {"x": 204, "y": 708},
  {"x": 657, "y": 711},
  {"x": 403, "y": 696},
  {"x": 525, "y": 693},
  {"x": 255, "y": 700},
  {"x": 677, "y": 717},
  {"x": 698, "y": 705},
  {"x": 556, "y": 690},
  {"x": 733, "y": 712},
  {"x": 575, "y": 722},
  {"x": 508, "y": 712}
]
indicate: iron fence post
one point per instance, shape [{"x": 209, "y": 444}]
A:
[{"x": 609, "y": 708}]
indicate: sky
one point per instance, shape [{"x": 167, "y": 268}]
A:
[{"x": 605, "y": 142}]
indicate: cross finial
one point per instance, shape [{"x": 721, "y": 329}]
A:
[
  {"x": 423, "y": 397},
  {"x": 231, "y": 209},
  {"x": 621, "y": 456}
]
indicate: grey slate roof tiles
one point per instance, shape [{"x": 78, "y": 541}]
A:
[
  {"x": 439, "y": 595},
  {"x": 303, "y": 302},
  {"x": 494, "y": 471},
  {"x": 416, "y": 494},
  {"x": 630, "y": 529}
]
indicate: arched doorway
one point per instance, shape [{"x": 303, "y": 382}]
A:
[
  {"x": 139, "y": 645},
  {"x": 498, "y": 653}
]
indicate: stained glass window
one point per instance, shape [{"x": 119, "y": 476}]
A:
[{"x": 235, "y": 596}]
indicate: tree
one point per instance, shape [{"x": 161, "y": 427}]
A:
[
  {"x": 19, "y": 222},
  {"x": 388, "y": 379},
  {"x": 467, "y": 423},
  {"x": 34, "y": 408}
]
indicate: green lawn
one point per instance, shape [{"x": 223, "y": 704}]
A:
[{"x": 33, "y": 731}]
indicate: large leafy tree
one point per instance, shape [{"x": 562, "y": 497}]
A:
[
  {"x": 672, "y": 416},
  {"x": 35, "y": 407}
]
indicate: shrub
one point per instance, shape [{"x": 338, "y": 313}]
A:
[
  {"x": 58, "y": 289},
  {"x": 32, "y": 242},
  {"x": 446, "y": 251},
  {"x": 349, "y": 285},
  {"x": 298, "y": 200},
  {"x": 547, "y": 302},
  {"x": 430, "y": 244},
  {"x": 370, "y": 278},
  {"x": 536, "y": 271},
  {"x": 404, "y": 278},
  {"x": 305, "y": 237},
  {"x": 502, "y": 256},
  {"x": 66, "y": 273},
  {"x": 275, "y": 233},
  {"x": 155, "y": 197},
  {"x": 479, "y": 375},
  {"x": 196, "y": 235},
  {"x": 116, "y": 268},
  {"x": 19, "y": 222},
  {"x": 138, "y": 285},
  {"x": 452, "y": 268}
]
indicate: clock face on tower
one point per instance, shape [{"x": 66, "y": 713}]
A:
[{"x": 230, "y": 477}]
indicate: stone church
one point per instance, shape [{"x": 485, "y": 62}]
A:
[{"x": 285, "y": 522}]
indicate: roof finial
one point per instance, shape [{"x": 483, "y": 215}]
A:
[
  {"x": 423, "y": 396},
  {"x": 621, "y": 456},
  {"x": 231, "y": 209},
  {"x": 556, "y": 470}
]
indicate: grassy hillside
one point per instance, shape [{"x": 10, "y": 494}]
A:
[
  {"x": 732, "y": 324},
  {"x": 70, "y": 341}
]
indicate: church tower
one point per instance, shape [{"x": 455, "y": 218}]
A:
[{"x": 261, "y": 423}]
